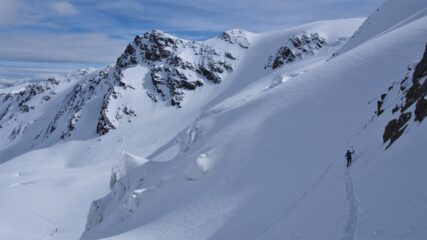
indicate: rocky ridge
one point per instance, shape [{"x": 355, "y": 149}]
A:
[
  {"x": 175, "y": 67},
  {"x": 298, "y": 46}
]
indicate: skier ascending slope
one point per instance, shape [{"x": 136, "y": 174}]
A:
[{"x": 348, "y": 156}]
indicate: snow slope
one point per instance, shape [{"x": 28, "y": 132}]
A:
[
  {"x": 390, "y": 15},
  {"x": 54, "y": 169},
  {"x": 258, "y": 156},
  {"x": 273, "y": 161}
]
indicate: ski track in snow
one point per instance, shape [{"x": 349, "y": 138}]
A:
[
  {"x": 298, "y": 201},
  {"x": 351, "y": 225},
  {"x": 38, "y": 215}
]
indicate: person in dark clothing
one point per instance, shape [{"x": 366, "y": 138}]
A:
[{"x": 348, "y": 156}]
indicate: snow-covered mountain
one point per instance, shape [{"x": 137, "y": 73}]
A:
[
  {"x": 91, "y": 102},
  {"x": 241, "y": 136}
]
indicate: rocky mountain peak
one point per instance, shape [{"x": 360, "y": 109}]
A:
[
  {"x": 297, "y": 47},
  {"x": 175, "y": 66},
  {"x": 173, "y": 72},
  {"x": 236, "y": 36}
]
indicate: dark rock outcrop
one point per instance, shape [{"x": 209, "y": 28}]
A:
[
  {"x": 16, "y": 106},
  {"x": 395, "y": 128},
  {"x": 175, "y": 67},
  {"x": 414, "y": 102},
  {"x": 420, "y": 110},
  {"x": 172, "y": 74},
  {"x": 297, "y": 47},
  {"x": 418, "y": 90},
  {"x": 236, "y": 36}
]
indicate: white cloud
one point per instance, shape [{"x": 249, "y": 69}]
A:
[
  {"x": 53, "y": 47},
  {"x": 28, "y": 28},
  {"x": 7, "y": 11},
  {"x": 9, "y": 75},
  {"x": 64, "y": 8},
  {"x": 33, "y": 13}
]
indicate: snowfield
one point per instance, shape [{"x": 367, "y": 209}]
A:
[{"x": 257, "y": 155}]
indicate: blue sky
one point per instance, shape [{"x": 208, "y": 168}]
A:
[{"x": 45, "y": 36}]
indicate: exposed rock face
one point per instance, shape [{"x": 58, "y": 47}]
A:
[
  {"x": 297, "y": 47},
  {"x": 236, "y": 36},
  {"x": 20, "y": 100},
  {"x": 395, "y": 128},
  {"x": 283, "y": 55},
  {"x": 175, "y": 66},
  {"x": 17, "y": 107},
  {"x": 421, "y": 110},
  {"x": 413, "y": 103},
  {"x": 418, "y": 91},
  {"x": 104, "y": 123},
  {"x": 380, "y": 104},
  {"x": 173, "y": 72}
]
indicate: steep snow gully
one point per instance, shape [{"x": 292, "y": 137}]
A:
[{"x": 241, "y": 136}]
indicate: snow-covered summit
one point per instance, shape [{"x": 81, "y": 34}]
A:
[
  {"x": 177, "y": 65},
  {"x": 75, "y": 101},
  {"x": 236, "y": 36},
  {"x": 299, "y": 45},
  {"x": 89, "y": 102}
]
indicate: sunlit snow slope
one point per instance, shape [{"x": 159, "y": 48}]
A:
[{"x": 258, "y": 155}]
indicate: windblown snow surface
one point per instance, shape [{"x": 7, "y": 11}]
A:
[{"x": 258, "y": 156}]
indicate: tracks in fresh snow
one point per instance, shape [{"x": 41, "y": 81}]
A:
[
  {"x": 298, "y": 201},
  {"x": 350, "y": 227},
  {"x": 353, "y": 212}
]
